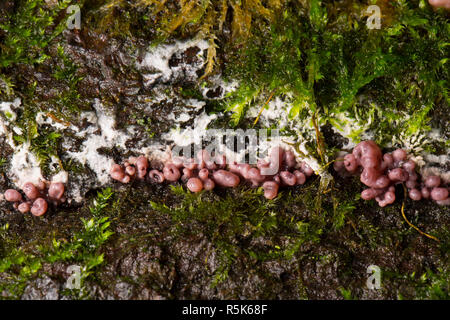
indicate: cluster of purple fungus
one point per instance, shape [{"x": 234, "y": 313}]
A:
[
  {"x": 37, "y": 197},
  {"x": 381, "y": 172},
  {"x": 205, "y": 172}
]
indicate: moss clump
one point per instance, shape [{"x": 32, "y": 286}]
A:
[
  {"x": 202, "y": 18},
  {"x": 66, "y": 103},
  {"x": 28, "y": 31},
  {"x": 381, "y": 81},
  {"x": 236, "y": 223},
  {"x": 21, "y": 263}
]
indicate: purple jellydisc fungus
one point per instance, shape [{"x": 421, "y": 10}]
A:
[
  {"x": 39, "y": 207},
  {"x": 432, "y": 181},
  {"x": 300, "y": 177},
  {"x": 118, "y": 173},
  {"x": 208, "y": 184},
  {"x": 289, "y": 159},
  {"x": 12, "y": 195},
  {"x": 30, "y": 191},
  {"x": 130, "y": 170},
  {"x": 207, "y": 171},
  {"x": 194, "y": 184},
  {"x": 288, "y": 178},
  {"x": 368, "y": 154},
  {"x": 270, "y": 189},
  {"x": 381, "y": 172},
  {"x": 225, "y": 178},
  {"x": 255, "y": 176},
  {"x": 439, "y": 194},
  {"x": 203, "y": 174},
  {"x": 171, "y": 172},
  {"x": 398, "y": 174},
  {"x": 350, "y": 163},
  {"x": 415, "y": 194},
  {"x": 142, "y": 166},
  {"x": 56, "y": 190},
  {"x": 24, "y": 207},
  {"x": 156, "y": 176}
]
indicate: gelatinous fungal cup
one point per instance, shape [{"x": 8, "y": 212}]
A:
[
  {"x": 205, "y": 172},
  {"x": 381, "y": 172},
  {"x": 37, "y": 197}
]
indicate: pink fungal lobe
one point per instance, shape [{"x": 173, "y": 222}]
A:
[
  {"x": 39, "y": 207},
  {"x": 56, "y": 190},
  {"x": 439, "y": 194},
  {"x": 24, "y": 207},
  {"x": 432, "y": 181},
  {"x": 12, "y": 195},
  {"x": 142, "y": 166},
  {"x": 30, "y": 191},
  {"x": 156, "y": 176},
  {"x": 194, "y": 184},
  {"x": 225, "y": 178},
  {"x": 270, "y": 189},
  {"x": 288, "y": 178},
  {"x": 171, "y": 172}
]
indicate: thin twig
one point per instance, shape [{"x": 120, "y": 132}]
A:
[
  {"x": 320, "y": 145},
  {"x": 264, "y": 105},
  {"x": 410, "y": 224},
  {"x": 55, "y": 118}
]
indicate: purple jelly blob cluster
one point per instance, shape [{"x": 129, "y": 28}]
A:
[
  {"x": 381, "y": 172},
  {"x": 205, "y": 172},
  {"x": 37, "y": 197}
]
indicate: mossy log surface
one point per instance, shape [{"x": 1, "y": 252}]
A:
[{"x": 147, "y": 241}]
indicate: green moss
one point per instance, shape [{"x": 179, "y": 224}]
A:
[
  {"x": 400, "y": 69},
  {"x": 434, "y": 285},
  {"x": 233, "y": 221},
  {"x": 19, "y": 263},
  {"x": 29, "y": 31},
  {"x": 2, "y": 163},
  {"x": 346, "y": 294},
  {"x": 67, "y": 101}
]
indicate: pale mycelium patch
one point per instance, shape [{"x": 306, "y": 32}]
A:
[
  {"x": 155, "y": 68},
  {"x": 44, "y": 119},
  {"x": 7, "y": 118},
  {"x": 7, "y": 108},
  {"x": 350, "y": 128},
  {"x": 108, "y": 138},
  {"x": 192, "y": 134},
  {"x": 276, "y": 111},
  {"x": 215, "y": 82},
  {"x": 186, "y": 112},
  {"x": 24, "y": 165},
  {"x": 155, "y": 64}
]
